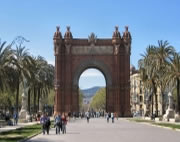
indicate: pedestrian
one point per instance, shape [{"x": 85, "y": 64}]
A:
[
  {"x": 48, "y": 124},
  {"x": 43, "y": 121},
  {"x": 58, "y": 123},
  {"x": 64, "y": 123},
  {"x": 15, "y": 117},
  {"x": 107, "y": 115},
  {"x": 112, "y": 116},
  {"x": 88, "y": 116}
]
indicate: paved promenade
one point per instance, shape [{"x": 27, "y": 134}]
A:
[{"x": 98, "y": 130}]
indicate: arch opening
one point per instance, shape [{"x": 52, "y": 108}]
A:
[
  {"x": 92, "y": 94},
  {"x": 96, "y": 64}
]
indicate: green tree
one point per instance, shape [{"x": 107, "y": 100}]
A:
[
  {"x": 99, "y": 100},
  {"x": 153, "y": 69},
  {"x": 163, "y": 54},
  {"x": 6, "y": 55},
  {"x": 7, "y": 99},
  {"x": 21, "y": 62},
  {"x": 42, "y": 80},
  {"x": 174, "y": 76},
  {"x": 81, "y": 96},
  {"x": 148, "y": 74},
  {"x": 18, "y": 66}
]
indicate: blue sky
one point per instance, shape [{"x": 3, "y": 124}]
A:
[
  {"x": 36, "y": 20},
  {"x": 90, "y": 78}
]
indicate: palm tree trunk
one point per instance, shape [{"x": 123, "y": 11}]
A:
[
  {"x": 29, "y": 101},
  {"x": 152, "y": 105},
  {"x": 17, "y": 97},
  {"x": 35, "y": 100},
  {"x": 39, "y": 91},
  {"x": 178, "y": 96},
  {"x": 156, "y": 98},
  {"x": 163, "y": 110}
]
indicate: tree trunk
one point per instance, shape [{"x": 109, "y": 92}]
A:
[
  {"x": 39, "y": 91},
  {"x": 178, "y": 96},
  {"x": 156, "y": 101},
  {"x": 35, "y": 110},
  {"x": 163, "y": 104},
  {"x": 152, "y": 105},
  {"x": 156, "y": 98},
  {"x": 29, "y": 101},
  {"x": 17, "y": 97}
]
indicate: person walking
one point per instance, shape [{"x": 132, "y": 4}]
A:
[
  {"x": 58, "y": 123},
  {"x": 15, "y": 117},
  {"x": 112, "y": 116},
  {"x": 107, "y": 115},
  {"x": 43, "y": 121},
  {"x": 88, "y": 116},
  {"x": 64, "y": 123},
  {"x": 48, "y": 124}
]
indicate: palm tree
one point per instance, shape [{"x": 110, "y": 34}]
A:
[
  {"x": 174, "y": 76},
  {"x": 42, "y": 81},
  {"x": 148, "y": 74},
  {"x": 30, "y": 83},
  {"x": 153, "y": 67},
  {"x": 21, "y": 62},
  {"x": 5, "y": 62},
  {"x": 6, "y": 76},
  {"x": 46, "y": 78},
  {"x": 163, "y": 54}
]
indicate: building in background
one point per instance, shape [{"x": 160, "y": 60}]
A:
[
  {"x": 140, "y": 97},
  {"x": 136, "y": 93}
]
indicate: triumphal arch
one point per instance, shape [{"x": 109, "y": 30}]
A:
[{"x": 111, "y": 56}]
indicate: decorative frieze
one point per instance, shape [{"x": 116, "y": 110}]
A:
[{"x": 92, "y": 50}]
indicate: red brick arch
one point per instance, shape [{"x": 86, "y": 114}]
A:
[
  {"x": 110, "y": 56},
  {"x": 92, "y": 63}
]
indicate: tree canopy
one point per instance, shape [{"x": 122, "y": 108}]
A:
[{"x": 99, "y": 100}]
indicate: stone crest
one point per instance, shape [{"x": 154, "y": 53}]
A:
[
  {"x": 116, "y": 38},
  {"x": 92, "y": 39},
  {"x": 68, "y": 36},
  {"x": 127, "y": 36},
  {"x": 57, "y": 40},
  {"x": 127, "y": 39}
]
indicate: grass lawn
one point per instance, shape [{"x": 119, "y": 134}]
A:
[
  {"x": 166, "y": 124},
  {"x": 20, "y": 134},
  {"x": 140, "y": 120},
  {"x": 170, "y": 125}
]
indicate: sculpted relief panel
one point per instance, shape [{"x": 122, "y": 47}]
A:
[{"x": 92, "y": 50}]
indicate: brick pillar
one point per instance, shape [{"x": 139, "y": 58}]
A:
[{"x": 57, "y": 52}]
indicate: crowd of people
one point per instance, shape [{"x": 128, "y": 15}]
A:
[
  {"x": 110, "y": 115},
  {"x": 60, "y": 120},
  {"x": 60, "y": 123},
  {"x": 10, "y": 119}
]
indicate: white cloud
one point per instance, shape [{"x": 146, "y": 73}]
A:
[
  {"x": 51, "y": 62},
  {"x": 91, "y": 73}
]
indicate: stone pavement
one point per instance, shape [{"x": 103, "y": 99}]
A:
[{"x": 98, "y": 130}]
